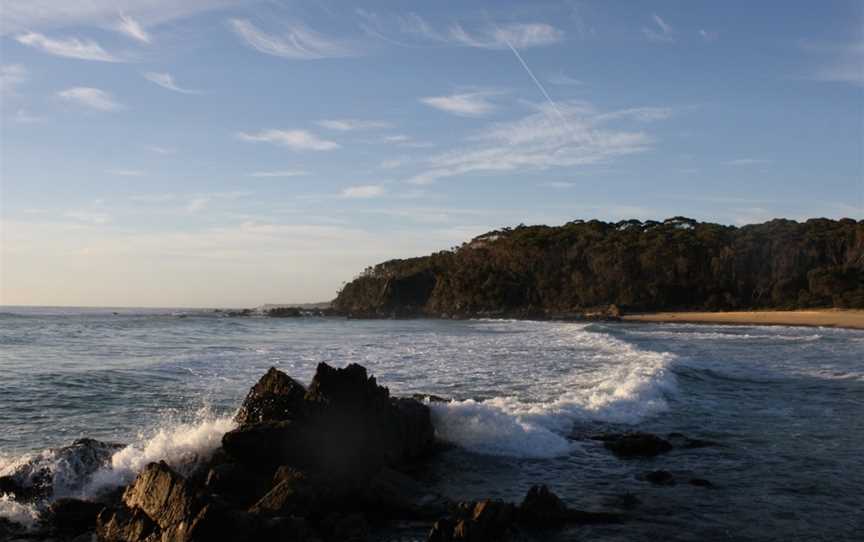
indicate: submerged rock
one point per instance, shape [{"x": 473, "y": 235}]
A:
[
  {"x": 634, "y": 445},
  {"x": 542, "y": 507},
  {"x": 659, "y": 478}
]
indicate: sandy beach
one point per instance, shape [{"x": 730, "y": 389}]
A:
[{"x": 853, "y": 319}]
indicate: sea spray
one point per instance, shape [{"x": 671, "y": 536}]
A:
[
  {"x": 183, "y": 446},
  {"x": 628, "y": 386}
]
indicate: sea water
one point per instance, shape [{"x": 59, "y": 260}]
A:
[{"x": 785, "y": 405}]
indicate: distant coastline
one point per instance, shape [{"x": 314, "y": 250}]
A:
[{"x": 842, "y": 318}]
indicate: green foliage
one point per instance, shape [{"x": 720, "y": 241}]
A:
[{"x": 675, "y": 264}]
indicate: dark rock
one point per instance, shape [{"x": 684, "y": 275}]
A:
[
  {"x": 483, "y": 521},
  {"x": 625, "y": 501},
  {"x": 34, "y": 480},
  {"x": 120, "y": 524},
  {"x": 178, "y": 511},
  {"x": 271, "y": 443},
  {"x": 9, "y": 528},
  {"x": 700, "y": 482},
  {"x": 391, "y": 494},
  {"x": 592, "y": 518},
  {"x": 73, "y": 516},
  {"x": 284, "y": 312},
  {"x": 296, "y": 494},
  {"x": 680, "y": 440},
  {"x": 236, "y": 483},
  {"x": 348, "y": 426},
  {"x": 165, "y": 496},
  {"x": 276, "y": 397},
  {"x": 338, "y": 527},
  {"x": 659, "y": 478},
  {"x": 288, "y": 529},
  {"x": 542, "y": 508},
  {"x": 633, "y": 445}
]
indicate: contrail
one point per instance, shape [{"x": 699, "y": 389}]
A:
[{"x": 537, "y": 82}]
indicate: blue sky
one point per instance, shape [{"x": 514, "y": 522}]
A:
[{"x": 221, "y": 152}]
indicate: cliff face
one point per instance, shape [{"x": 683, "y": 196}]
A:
[{"x": 671, "y": 265}]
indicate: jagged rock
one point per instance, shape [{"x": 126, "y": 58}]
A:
[
  {"x": 483, "y": 521},
  {"x": 236, "y": 483},
  {"x": 542, "y": 508},
  {"x": 659, "y": 478},
  {"x": 72, "y": 516},
  {"x": 120, "y": 524},
  {"x": 271, "y": 443},
  {"x": 348, "y": 426},
  {"x": 295, "y": 494},
  {"x": 162, "y": 494},
  {"x": 633, "y": 445},
  {"x": 276, "y": 397}
]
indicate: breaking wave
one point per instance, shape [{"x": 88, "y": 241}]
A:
[{"x": 618, "y": 383}]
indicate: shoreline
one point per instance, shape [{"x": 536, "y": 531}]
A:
[{"x": 839, "y": 318}]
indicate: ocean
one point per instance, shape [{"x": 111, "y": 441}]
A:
[{"x": 785, "y": 406}]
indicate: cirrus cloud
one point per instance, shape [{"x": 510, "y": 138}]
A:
[
  {"x": 298, "y": 140},
  {"x": 90, "y": 97},
  {"x": 69, "y": 48}
]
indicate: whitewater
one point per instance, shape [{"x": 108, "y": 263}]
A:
[{"x": 785, "y": 403}]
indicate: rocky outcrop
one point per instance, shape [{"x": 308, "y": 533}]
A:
[
  {"x": 316, "y": 464},
  {"x": 568, "y": 271},
  {"x": 275, "y": 397},
  {"x": 345, "y": 423},
  {"x": 493, "y": 521}
]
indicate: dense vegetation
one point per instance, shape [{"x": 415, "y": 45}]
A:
[{"x": 677, "y": 264}]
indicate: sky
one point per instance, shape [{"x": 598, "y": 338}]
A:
[{"x": 231, "y": 153}]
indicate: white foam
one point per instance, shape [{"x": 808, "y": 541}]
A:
[
  {"x": 182, "y": 446},
  {"x": 616, "y": 382},
  {"x": 24, "y": 514}
]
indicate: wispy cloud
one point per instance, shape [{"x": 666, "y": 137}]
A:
[
  {"x": 349, "y": 125},
  {"x": 747, "y": 162},
  {"x": 280, "y": 173},
  {"x": 297, "y": 42},
  {"x": 125, "y": 172},
  {"x": 521, "y": 35},
  {"x": 363, "y": 191},
  {"x": 293, "y": 139},
  {"x": 90, "y": 97},
  {"x": 708, "y": 35},
  {"x": 561, "y": 78},
  {"x": 70, "y": 48},
  {"x": 540, "y": 141},
  {"x": 22, "y": 116},
  {"x": 160, "y": 150},
  {"x": 468, "y": 104},
  {"x": 485, "y": 36},
  {"x": 166, "y": 80},
  {"x": 11, "y": 77},
  {"x": 198, "y": 204},
  {"x": 90, "y": 217},
  {"x": 840, "y": 63},
  {"x": 132, "y": 28},
  {"x": 661, "y": 32},
  {"x": 24, "y": 15}
]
